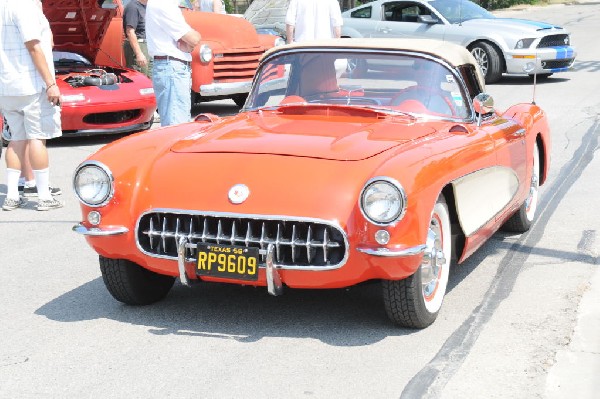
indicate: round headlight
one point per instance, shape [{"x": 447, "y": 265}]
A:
[
  {"x": 383, "y": 201},
  {"x": 279, "y": 41},
  {"x": 206, "y": 53},
  {"x": 93, "y": 184}
]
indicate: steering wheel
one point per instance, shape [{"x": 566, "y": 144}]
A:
[{"x": 434, "y": 100}]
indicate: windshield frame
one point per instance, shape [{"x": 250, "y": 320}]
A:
[
  {"x": 467, "y": 10},
  {"x": 469, "y": 114}
]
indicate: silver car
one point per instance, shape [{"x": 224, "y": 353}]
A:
[{"x": 500, "y": 45}]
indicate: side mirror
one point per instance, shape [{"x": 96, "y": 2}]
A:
[
  {"x": 427, "y": 19},
  {"x": 483, "y": 103}
]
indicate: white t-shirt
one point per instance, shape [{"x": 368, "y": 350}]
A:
[
  {"x": 20, "y": 22},
  {"x": 313, "y": 19},
  {"x": 165, "y": 25}
]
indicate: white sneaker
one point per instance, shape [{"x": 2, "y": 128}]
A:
[{"x": 49, "y": 204}]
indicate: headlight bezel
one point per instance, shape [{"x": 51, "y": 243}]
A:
[
  {"x": 523, "y": 44},
  {"x": 401, "y": 197},
  {"x": 279, "y": 41},
  {"x": 205, "y": 53},
  {"x": 108, "y": 181}
]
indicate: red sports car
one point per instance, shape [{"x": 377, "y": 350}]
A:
[
  {"x": 96, "y": 99},
  {"x": 329, "y": 176}
]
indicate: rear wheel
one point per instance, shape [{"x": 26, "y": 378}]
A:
[
  {"x": 522, "y": 220},
  {"x": 131, "y": 284},
  {"x": 240, "y": 99},
  {"x": 415, "y": 301},
  {"x": 488, "y": 58}
]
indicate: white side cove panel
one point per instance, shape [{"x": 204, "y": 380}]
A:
[{"x": 481, "y": 195}]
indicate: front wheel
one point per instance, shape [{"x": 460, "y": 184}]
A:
[
  {"x": 415, "y": 301},
  {"x": 488, "y": 58},
  {"x": 240, "y": 99},
  {"x": 131, "y": 284}
]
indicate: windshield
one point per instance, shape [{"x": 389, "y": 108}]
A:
[
  {"x": 462, "y": 10},
  {"x": 393, "y": 82},
  {"x": 68, "y": 58}
]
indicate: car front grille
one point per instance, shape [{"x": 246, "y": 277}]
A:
[
  {"x": 297, "y": 243},
  {"x": 106, "y": 118},
  {"x": 235, "y": 65},
  {"x": 554, "y": 64},
  {"x": 554, "y": 41}
]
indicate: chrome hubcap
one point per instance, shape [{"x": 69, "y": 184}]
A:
[
  {"x": 433, "y": 260},
  {"x": 481, "y": 58}
]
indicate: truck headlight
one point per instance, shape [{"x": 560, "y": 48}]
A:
[
  {"x": 383, "y": 201},
  {"x": 279, "y": 41},
  {"x": 206, "y": 53},
  {"x": 93, "y": 184}
]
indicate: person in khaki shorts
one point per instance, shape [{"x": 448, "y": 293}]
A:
[{"x": 29, "y": 97}]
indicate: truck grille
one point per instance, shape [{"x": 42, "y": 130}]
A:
[
  {"x": 236, "y": 66},
  {"x": 554, "y": 41},
  {"x": 298, "y": 243}
]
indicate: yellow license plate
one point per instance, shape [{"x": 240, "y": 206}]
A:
[{"x": 227, "y": 261}]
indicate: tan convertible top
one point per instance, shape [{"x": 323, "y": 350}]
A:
[{"x": 453, "y": 54}]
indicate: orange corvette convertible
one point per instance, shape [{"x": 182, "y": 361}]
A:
[{"x": 330, "y": 175}]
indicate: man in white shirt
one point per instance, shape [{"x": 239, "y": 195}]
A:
[
  {"x": 313, "y": 19},
  {"x": 29, "y": 97},
  {"x": 170, "y": 42}
]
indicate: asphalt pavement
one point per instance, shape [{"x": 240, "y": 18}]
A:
[{"x": 575, "y": 373}]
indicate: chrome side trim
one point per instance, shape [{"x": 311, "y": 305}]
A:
[
  {"x": 274, "y": 285},
  {"x": 100, "y": 231},
  {"x": 390, "y": 253}
]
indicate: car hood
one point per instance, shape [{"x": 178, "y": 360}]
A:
[
  {"x": 517, "y": 25},
  {"x": 228, "y": 31},
  {"x": 79, "y": 25},
  {"x": 344, "y": 138}
]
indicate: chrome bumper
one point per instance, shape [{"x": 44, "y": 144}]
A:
[
  {"x": 225, "y": 89},
  {"x": 419, "y": 249},
  {"x": 274, "y": 284},
  {"x": 100, "y": 231}
]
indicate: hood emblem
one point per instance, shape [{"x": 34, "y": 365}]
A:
[{"x": 238, "y": 193}]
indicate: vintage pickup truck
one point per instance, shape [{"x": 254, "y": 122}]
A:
[{"x": 223, "y": 64}]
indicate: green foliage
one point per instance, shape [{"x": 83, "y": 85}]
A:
[
  {"x": 497, "y": 4},
  {"x": 229, "y": 7}
]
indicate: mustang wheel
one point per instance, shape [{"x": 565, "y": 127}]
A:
[
  {"x": 488, "y": 59},
  {"x": 131, "y": 284},
  {"x": 522, "y": 220},
  {"x": 415, "y": 301}
]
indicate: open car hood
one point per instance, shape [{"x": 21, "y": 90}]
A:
[
  {"x": 79, "y": 25},
  {"x": 336, "y": 138}
]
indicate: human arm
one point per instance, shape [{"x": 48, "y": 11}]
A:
[
  {"x": 39, "y": 60},
  {"x": 289, "y": 33},
  {"x": 290, "y": 21},
  {"x": 188, "y": 41},
  {"x": 140, "y": 58}
]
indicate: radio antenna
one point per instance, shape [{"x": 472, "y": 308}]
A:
[{"x": 529, "y": 68}]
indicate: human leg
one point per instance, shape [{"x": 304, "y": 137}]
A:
[
  {"x": 172, "y": 84},
  {"x": 42, "y": 122}
]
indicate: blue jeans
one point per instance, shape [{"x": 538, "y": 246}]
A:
[{"x": 172, "y": 81}]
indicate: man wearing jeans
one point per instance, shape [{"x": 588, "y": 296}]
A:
[{"x": 170, "y": 42}]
